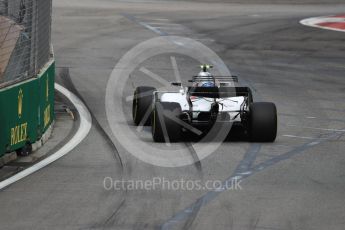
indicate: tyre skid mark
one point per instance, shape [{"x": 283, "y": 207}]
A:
[
  {"x": 65, "y": 76},
  {"x": 197, "y": 162},
  {"x": 191, "y": 212},
  {"x": 240, "y": 175},
  {"x": 113, "y": 216}
]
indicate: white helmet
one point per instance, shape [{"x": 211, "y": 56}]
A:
[{"x": 204, "y": 73}]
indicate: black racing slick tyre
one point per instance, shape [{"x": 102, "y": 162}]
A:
[
  {"x": 165, "y": 122},
  {"x": 263, "y": 122},
  {"x": 142, "y": 105}
]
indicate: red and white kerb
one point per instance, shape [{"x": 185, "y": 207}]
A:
[{"x": 335, "y": 22}]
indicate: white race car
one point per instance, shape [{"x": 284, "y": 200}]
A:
[{"x": 209, "y": 100}]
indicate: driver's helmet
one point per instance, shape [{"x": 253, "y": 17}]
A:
[
  {"x": 207, "y": 84},
  {"x": 204, "y": 74}
]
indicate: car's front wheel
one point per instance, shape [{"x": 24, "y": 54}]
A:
[
  {"x": 142, "y": 105},
  {"x": 166, "y": 122}
]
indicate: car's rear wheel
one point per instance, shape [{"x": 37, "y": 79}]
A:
[
  {"x": 142, "y": 105},
  {"x": 263, "y": 122},
  {"x": 165, "y": 122}
]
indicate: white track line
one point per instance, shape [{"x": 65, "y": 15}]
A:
[
  {"x": 163, "y": 24},
  {"x": 316, "y": 128},
  {"x": 170, "y": 27},
  {"x": 84, "y": 129},
  {"x": 302, "y": 137},
  {"x": 156, "y": 19}
]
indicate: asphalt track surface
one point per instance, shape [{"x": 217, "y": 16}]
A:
[{"x": 295, "y": 183}]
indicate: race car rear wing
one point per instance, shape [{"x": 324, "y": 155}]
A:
[
  {"x": 220, "y": 79},
  {"x": 220, "y": 92}
]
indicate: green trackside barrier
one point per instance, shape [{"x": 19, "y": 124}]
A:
[{"x": 26, "y": 110}]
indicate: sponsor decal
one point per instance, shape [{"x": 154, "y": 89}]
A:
[
  {"x": 19, "y": 133},
  {"x": 46, "y": 116},
  {"x": 20, "y": 103}
]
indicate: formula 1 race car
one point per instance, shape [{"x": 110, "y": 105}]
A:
[{"x": 206, "y": 101}]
